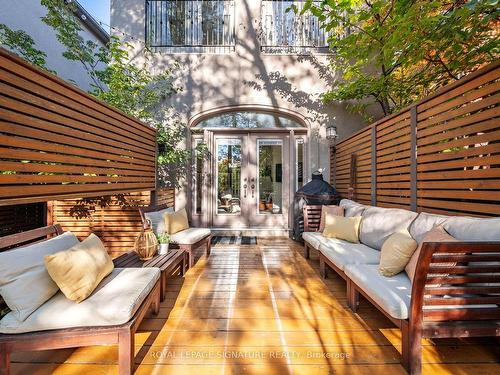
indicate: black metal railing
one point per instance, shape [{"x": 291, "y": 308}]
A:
[
  {"x": 190, "y": 25},
  {"x": 289, "y": 32}
]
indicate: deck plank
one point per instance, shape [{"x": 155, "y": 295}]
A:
[{"x": 262, "y": 309}]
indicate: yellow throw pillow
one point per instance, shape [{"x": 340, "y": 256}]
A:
[
  {"x": 396, "y": 253},
  {"x": 79, "y": 270},
  {"x": 343, "y": 228},
  {"x": 327, "y": 211},
  {"x": 176, "y": 221}
]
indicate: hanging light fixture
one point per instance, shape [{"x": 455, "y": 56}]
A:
[{"x": 331, "y": 132}]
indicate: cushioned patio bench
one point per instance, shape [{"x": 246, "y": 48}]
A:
[
  {"x": 188, "y": 240},
  {"x": 456, "y": 288},
  {"x": 110, "y": 315}
]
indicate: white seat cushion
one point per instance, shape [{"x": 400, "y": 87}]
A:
[
  {"x": 392, "y": 294},
  {"x": 314, "y": 238},
  {"x": 24, "y": 281},
  {"x": 157, "y": 219},
  {"x": 189, "y": 236},
  {"x": 341, "y": 253},
  {"x": 114, "y": 302}
]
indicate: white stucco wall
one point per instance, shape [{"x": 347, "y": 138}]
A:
[
  {"x": 246, "y": 77},
  {"x": 26, "y": 15}
]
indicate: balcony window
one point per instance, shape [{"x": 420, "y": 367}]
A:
[
  {"x": 290, "y": 32},
  {"x": 190, "y": 26}
]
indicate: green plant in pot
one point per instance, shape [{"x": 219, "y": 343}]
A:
[{"x": 163, "y": 240}]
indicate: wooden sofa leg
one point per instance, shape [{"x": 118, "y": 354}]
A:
[
  {"x": 4, "y": 360},
  {"x": 322, "y": 268},
  {"x": 209, "y": 245},
  {"x": 352, "y": 296},
  {"x": 190, "y": 258},
  {"x": 126, "y": 348},
  {"x": 405, "y": 348},
  {"x": 160, "y": 296},
  {"x": 307, "y": 251},
  {"x": 414, "y": 351},
  {"x": 411, "y": 348}
]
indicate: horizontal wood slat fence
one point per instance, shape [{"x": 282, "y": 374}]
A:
[
  {"x": 440, "y": 155},
  {"x": 117, "y": 226},
  {"x": 58, "y": 142}
]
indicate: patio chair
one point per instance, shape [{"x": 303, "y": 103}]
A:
[{"x": 188, "y": 240}]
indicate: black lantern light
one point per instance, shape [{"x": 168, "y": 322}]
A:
[{"x": 331, "y": 132}]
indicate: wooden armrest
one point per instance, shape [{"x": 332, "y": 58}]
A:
[{"x": 456, "y": 274}]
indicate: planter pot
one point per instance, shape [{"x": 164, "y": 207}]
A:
[
  {"x": 163, "y": 249},
  {"x": 262, "y": 206}
]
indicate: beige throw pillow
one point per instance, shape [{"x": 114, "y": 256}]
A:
[
  {"x": 343, "y": 228},
  {"x": 79, "y": 270},
  {"x": 396, "y": 253},
  {"x": 329, "y": 211},
  {"x": 176, "y": 221},
  {"x": 436, "y": 234}
]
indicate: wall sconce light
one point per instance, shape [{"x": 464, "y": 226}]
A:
[{"x": 331, "y": 133}]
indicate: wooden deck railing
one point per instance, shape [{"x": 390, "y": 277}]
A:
[
  {"x": 58, "y": 142},
  {"x": 439, "y": 155}
]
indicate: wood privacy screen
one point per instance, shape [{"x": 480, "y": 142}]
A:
[
  {"x": 116, "y": 226},
  {"x": 440, "y": 155},
  {"x": 58, "y": 142}
]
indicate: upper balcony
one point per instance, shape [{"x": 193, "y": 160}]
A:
[{"x": 195, "y": 26}]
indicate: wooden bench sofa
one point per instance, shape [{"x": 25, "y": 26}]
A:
[
  {"x": 188, "y": 240},
  {"x": 456, "y": 288},
  {"x": 72, "y": 337}
]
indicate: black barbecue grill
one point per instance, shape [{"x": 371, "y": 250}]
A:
[{"x": 315, "y": 192}]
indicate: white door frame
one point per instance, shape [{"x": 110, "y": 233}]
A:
[{"x": 208, "y": 190}]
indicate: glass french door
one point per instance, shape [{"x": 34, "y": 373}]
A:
[{"x": 251, "y": 180}]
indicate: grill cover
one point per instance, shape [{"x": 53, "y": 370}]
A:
[{"x": 315, "y": 192}]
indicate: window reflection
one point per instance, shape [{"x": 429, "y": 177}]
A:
[
  {"x": 270, "y": 154},
  {"x": 228, "y": 176}
]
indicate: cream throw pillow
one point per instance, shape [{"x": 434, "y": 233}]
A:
[
  {"x": 396, "y": 253},
  {"x": 79, "y": 270},
  {"x": 436, "y": 234},
  {"x": 176, "y": 221},
  {"x": 328, "y": 211},
  {"x": 343, "y": 228},
  {"x": 25, "y": 284}
]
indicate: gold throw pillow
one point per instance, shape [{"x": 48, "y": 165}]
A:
[
  {"x": 329, "y": 211},
  {"x": 343, "y": 228},
  {"x": 176, "y": 221},
  {"x": 79, "y": 270},
  {"x": 396, "y": 253}
]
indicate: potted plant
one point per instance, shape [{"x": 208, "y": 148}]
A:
[{"x": 163, "y": 240}]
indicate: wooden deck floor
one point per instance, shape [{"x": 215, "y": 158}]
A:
[{"x": 263, "y": 309}]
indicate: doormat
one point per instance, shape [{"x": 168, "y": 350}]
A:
[{"x": 234, "y": 240}]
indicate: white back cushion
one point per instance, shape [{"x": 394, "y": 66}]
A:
[
  {"x": 465, "y": 228},
  {"x": 379, "y": 223},
  {"x": 157, "y": 220},
  {"x": 424, "y": 223},
  {"x": 24, "y": 281},
  {"x": 352, "y": 208}
]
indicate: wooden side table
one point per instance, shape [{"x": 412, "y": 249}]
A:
[{"x": 165, "y": 262}]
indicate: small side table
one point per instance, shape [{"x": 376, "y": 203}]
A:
[{"x": 165, "y": 262}]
